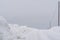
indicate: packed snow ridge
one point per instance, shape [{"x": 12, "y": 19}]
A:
[{"x": 16, "y": 32}]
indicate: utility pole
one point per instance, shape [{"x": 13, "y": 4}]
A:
[{"x": 58, "y": 13}]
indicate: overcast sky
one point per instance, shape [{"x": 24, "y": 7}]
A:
[
  {"x": 34, "y": 13},
  {"x": 58, "y": 0}
]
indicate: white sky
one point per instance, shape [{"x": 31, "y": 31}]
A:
[
  {"x": 58, "y": 0},
  {"x": 36, "y": 13}
]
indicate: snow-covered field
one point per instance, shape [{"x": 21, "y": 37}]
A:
[{"x": 16, "y": 32}]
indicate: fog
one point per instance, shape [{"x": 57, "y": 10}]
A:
[{"x": 33, "y": 13}]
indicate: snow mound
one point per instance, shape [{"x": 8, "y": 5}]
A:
[
  {"x": 55, "y": 29},
  {"x": 54, "y": 33},
  {"x": 17, "y": 32},
  {"x": 4, "y": 29}
]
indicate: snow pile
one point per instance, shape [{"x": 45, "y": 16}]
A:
[
  {"x": 54, "y": 33},
  {"x": 4, "y": 29},
  {"x": 55, "y": 29},
  {"x": 27, "y": 33},
  {"x": 16, "y": 32},
  {"x": 22, "y": 32},
  {"x": 51, "y": 34}
]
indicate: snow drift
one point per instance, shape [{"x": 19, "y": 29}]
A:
[{"x": 16, "y": 32}]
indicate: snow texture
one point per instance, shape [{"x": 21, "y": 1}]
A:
[{"x": 16, "y": 32}]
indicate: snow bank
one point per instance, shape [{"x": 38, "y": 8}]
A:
[
  {"x": 4, "y": 29},
  {"x": 54, "y": 33},
  {"x": 21, "y": 32},
  {"x": 27, "y": 33},
  {"x": 17, "y": 32},
  {"x": 55, "y": 29}
]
